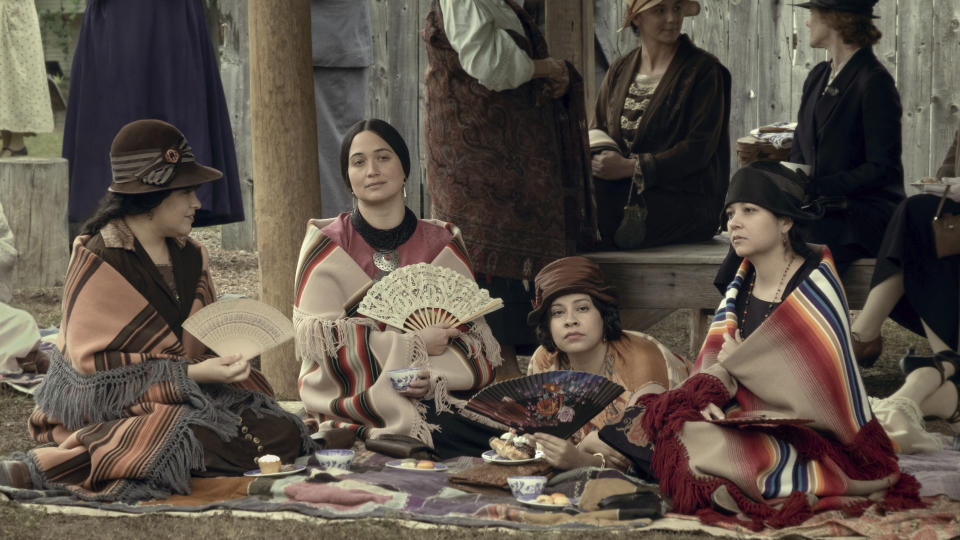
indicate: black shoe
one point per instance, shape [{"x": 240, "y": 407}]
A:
[{"x": 911, "y": 362}]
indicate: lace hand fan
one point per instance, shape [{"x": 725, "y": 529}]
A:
[
  {"x": 417, "y": 296},
  {"x": 239, "y": 326},
  {"x": 554, "y": 402}
]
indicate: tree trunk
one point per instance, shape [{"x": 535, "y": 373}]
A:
[{"x": 284, "y": 141}]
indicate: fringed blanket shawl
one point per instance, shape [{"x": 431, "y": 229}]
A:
[
  {"x": 810, "y": 442},
  {"x": 343, "y": 355},
  {"x": 117, "y": 407},
  {"x": 636, "y": 360}
]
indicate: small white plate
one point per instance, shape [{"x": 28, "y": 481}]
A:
[
  {"x": 545, "y": 506},
  {"x": 256, "y": 472},
  {"x": 491, "y": 456},
  {"x": 397, "y": 464}
]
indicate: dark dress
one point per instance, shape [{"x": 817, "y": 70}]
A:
[
  {"x": 682, "y": 143},
  {"x": 931, "y": 290},
  {"x": 147, "y": 59},
  {"x": 849, "y": 134}
]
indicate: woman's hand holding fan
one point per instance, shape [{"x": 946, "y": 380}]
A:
[{"x": 239, "y": 326}]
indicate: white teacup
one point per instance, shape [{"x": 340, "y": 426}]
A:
[
  {"x": 526, "y": 487},
  {"x": 334, "y": 459},
  {"x": 401, "y": 378}
]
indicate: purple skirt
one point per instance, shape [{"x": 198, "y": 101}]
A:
[{"x": 147, "y": 59}]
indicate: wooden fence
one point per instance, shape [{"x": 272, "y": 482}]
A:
[{"x": 764, "y": 43}]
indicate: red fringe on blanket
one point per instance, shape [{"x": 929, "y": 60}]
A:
[{"x": 870, "y": 455}]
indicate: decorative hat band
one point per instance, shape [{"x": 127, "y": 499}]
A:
[{"x": 155, "y": 167}]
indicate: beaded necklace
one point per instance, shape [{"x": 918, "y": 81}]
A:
[{"x": 770, "y": 305}]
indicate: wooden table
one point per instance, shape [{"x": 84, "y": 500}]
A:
[{"x": 652, "y": 283}]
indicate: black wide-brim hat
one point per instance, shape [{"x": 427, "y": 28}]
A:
[
  {"x": 860, "y": 7},
  {"x": 152, "y": 155},
  {"x": 771, "y": 185}
]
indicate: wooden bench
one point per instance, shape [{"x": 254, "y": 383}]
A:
[
  {"x": 652, "y": 283},
  {"x": 34, "y": 194}
]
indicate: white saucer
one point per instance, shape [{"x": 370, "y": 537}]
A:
[
  {"x": 491, "y": 456},
  {"x": 256, "y": 472}
]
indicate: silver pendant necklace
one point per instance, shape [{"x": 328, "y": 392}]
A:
[{"x": 387, "y": 261}]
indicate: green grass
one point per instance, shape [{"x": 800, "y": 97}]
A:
[{"x": 45, "y": 144}]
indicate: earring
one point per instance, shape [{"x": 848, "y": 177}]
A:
[
  {"x": 354, "y": 200},
  {"x": 404, "y": 191}
]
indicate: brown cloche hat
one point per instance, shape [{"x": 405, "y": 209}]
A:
[
  {"x": 152, "y": 155},
  {"x": 691, "y": 8},
  {"x": 567, "y": 276}
]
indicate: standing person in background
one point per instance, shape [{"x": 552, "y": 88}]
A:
[
  {"x": 24, "y": 97},
  {"x": 342, "y": 53},
  {"x": 18, "y": 331},
  {"x": 848, "y": 131},
  {"x": 666, "y": 105},
  {"x": 147, "y": 59},
  {"x": 506, "y": 152}
]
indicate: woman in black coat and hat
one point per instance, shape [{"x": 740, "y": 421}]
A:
[{"x": 848, "y": 131}]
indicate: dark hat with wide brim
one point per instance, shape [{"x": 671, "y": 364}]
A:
[
  {"x": 770, "y": 185},
  {"x": 152, "y": 155},
  {"x": 860, "y": 7},
  {"x": 568, "y": 275}
]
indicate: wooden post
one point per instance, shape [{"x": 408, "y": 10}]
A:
[
  {"x": 569, "y": 33},
  {"x": 284, "y": 142},
  {"x": 34, "y": 194}
]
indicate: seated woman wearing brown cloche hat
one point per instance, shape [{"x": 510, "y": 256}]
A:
[
  {"x": 578, "y": 325},
  {"x": 132, "y": 405}
]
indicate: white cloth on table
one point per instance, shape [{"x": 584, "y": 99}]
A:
[
  {"x": 24, "y": 94},
  {"x": 477, "y": 30}
]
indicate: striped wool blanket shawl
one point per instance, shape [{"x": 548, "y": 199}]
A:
[
  {"x": 806, "y": 441},
  {"x": 344, "y": 355},
  {"x": 117, "y": 407}
]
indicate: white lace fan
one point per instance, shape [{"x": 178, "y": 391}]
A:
[
  {"x": 419, "y": 295},
  {"x": 239, "y": 326}
]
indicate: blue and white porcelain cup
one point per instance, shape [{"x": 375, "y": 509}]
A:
[
  {"x": 526, "y": 488},
  {"x": 334, "y": 459},
  {"x": 401, "y": 378}
]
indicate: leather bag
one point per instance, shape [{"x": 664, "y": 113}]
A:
[
  {"x": 946, "y": 230},
  {"x": 633, "y": 227}
]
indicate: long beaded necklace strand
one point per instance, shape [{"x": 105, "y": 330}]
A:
[{"x": 770, "y": 305}]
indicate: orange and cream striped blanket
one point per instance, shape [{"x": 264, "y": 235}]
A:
[{"x": 799, "y": 436}]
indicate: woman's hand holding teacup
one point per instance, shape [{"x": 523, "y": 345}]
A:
[
  {"x": 436, "y": 338},
  {"x": 419, "y": 387}
]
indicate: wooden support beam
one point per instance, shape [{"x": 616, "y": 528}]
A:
[
  {"x": 569, "y": 33},
  {"x": 284, "y": 142}
]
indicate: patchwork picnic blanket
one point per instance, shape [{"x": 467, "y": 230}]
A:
[{"x": 372, "y": 490}]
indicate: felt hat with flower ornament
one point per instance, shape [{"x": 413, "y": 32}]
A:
[
  {"x": 690, "y": 9},
  {"x": 152, "y": 155}
]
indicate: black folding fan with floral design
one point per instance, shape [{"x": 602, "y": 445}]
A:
[{"x": 554, "y": 402}]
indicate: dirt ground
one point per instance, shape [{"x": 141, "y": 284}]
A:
[{"x": 236, "y": 272}]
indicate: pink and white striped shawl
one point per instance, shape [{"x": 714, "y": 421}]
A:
[
  {"x": 797, "y": 366},
  {"x": 117, "y": 407},
  {"x": 343, "y": 355}
]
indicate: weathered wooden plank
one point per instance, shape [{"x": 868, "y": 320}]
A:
[
  {"x": 775, "y": 37},
  {"x": 568, "y": 29},
  {"x": 886, "y": 49},
  {"x": 235, "y": 73},
  {"x": 742, "y": 62},
  {"x": 34, "y": 194},
  {"x": 946, "y": 81},
  {"x": 915, "y": 72}
]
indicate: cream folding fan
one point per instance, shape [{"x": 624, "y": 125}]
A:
[
  {"x": 419, "y": 295},
  {"x": 239, "y": 326}
]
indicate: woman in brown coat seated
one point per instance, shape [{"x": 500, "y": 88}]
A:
[{"x": 666, "y": 105}]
